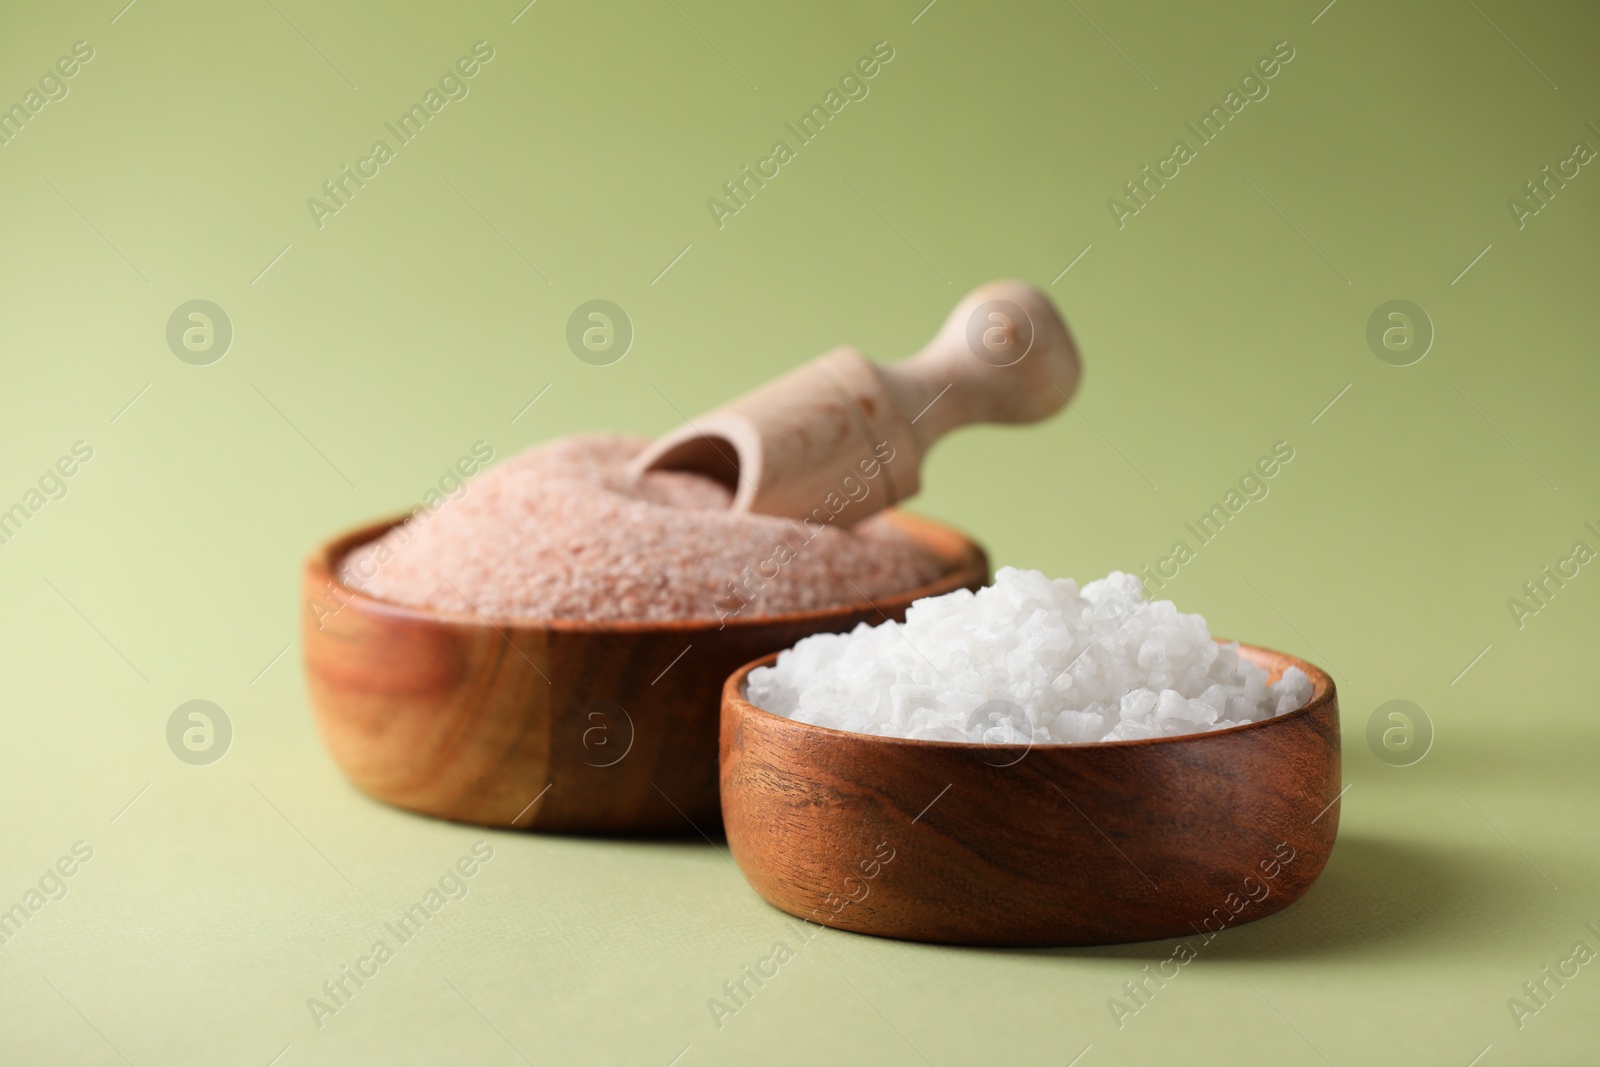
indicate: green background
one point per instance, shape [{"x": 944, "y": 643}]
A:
[{"x": 1224, "y": 317}]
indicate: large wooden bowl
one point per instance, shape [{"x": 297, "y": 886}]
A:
[
  {"x": 1050, "y": 845},
  {"x": 548, "y": 725}
]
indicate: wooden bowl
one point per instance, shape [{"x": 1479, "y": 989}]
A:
[
  {"x": 562, "y": 725},
  {"x": 1079, "y": 844}
]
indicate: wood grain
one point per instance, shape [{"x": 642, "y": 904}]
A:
[
  {"x": 1066, "y": 845},
  {"x": 611, "y": 727}
]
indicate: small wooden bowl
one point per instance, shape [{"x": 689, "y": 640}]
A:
[
  {"x": 1083, "y": 844},
  {"x": 607, "y": 727}
]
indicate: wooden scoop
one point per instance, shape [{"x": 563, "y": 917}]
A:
[{"x": 840, "y": 438}]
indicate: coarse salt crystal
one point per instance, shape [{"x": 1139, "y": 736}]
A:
[{"x": 1027, "y": 660}]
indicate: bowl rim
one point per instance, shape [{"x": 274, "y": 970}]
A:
[
  {"x": 968, "y": 562},
  {"x": 1323, "y": 695}
]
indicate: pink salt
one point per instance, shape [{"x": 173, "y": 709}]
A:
[{"x": 562, "y": 532}]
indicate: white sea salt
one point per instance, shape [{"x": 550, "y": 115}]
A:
[{"x": 1027, "y": 660}]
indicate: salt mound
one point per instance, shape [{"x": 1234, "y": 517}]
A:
[
  {"x": 1027, "y": 659},
  {"x": 563, "y": 531}
]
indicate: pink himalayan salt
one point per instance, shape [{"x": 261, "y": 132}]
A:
[{"x": 561, "y": 531}]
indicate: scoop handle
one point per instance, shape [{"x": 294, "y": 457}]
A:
[
  {"x": 1004, "y": 355},
  {"x": 839, "y": 438}
]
